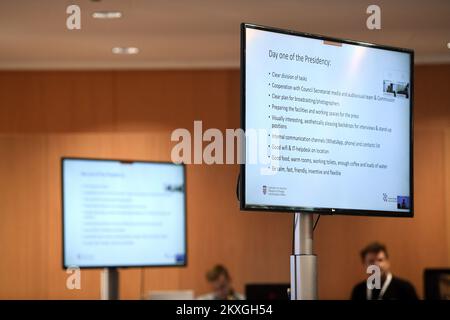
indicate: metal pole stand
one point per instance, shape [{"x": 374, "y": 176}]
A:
[
  {"x": 109, "y": 283},
  {"x": 303, "y": 261}
]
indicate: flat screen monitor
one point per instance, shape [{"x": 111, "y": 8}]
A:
[
  {"x": 123, "y": 213},
  {"x": 328, "y": 124}
]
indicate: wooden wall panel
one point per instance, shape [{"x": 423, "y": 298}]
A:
[{"x": 130, "y": 114}]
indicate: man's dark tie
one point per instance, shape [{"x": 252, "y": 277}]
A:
[{"x": 375, "y": 294}]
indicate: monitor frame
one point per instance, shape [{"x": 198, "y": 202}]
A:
[
  {"x": 65, "y": 266},
  {"x": 320, "y": 210}
]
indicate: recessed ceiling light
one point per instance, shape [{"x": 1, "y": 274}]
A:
[
  {"x": 107, "y": 15},
  {"x": 125, "y": 50}
]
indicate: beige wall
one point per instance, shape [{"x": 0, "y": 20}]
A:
[{"x": 46, "y": 115}]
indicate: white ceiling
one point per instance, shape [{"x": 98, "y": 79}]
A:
[{"x": 202, "y": 33}]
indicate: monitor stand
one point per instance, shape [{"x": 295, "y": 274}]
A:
[
  {"x": 303, "y": 261},
  {"x": 109, "y": 283}
]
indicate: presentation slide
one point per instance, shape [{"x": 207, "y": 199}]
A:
[
  {"x": 123, "y": 213},
  {"x": 336, "y": 123}
]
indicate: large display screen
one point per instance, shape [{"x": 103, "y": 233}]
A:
[
  {"x": 328, "y": 124},
  {"x": 123, "y": 213}
]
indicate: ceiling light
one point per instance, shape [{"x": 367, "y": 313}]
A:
[
  {"x": 448, "y": 45},
  {"x": 107, "y": 15},
  {"x": 125, "y": 50}
]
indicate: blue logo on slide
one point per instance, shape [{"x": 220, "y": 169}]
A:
[{"x": 179, "y": 257}]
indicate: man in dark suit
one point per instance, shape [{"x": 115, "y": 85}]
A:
[{"x": 392, "y": 288}]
